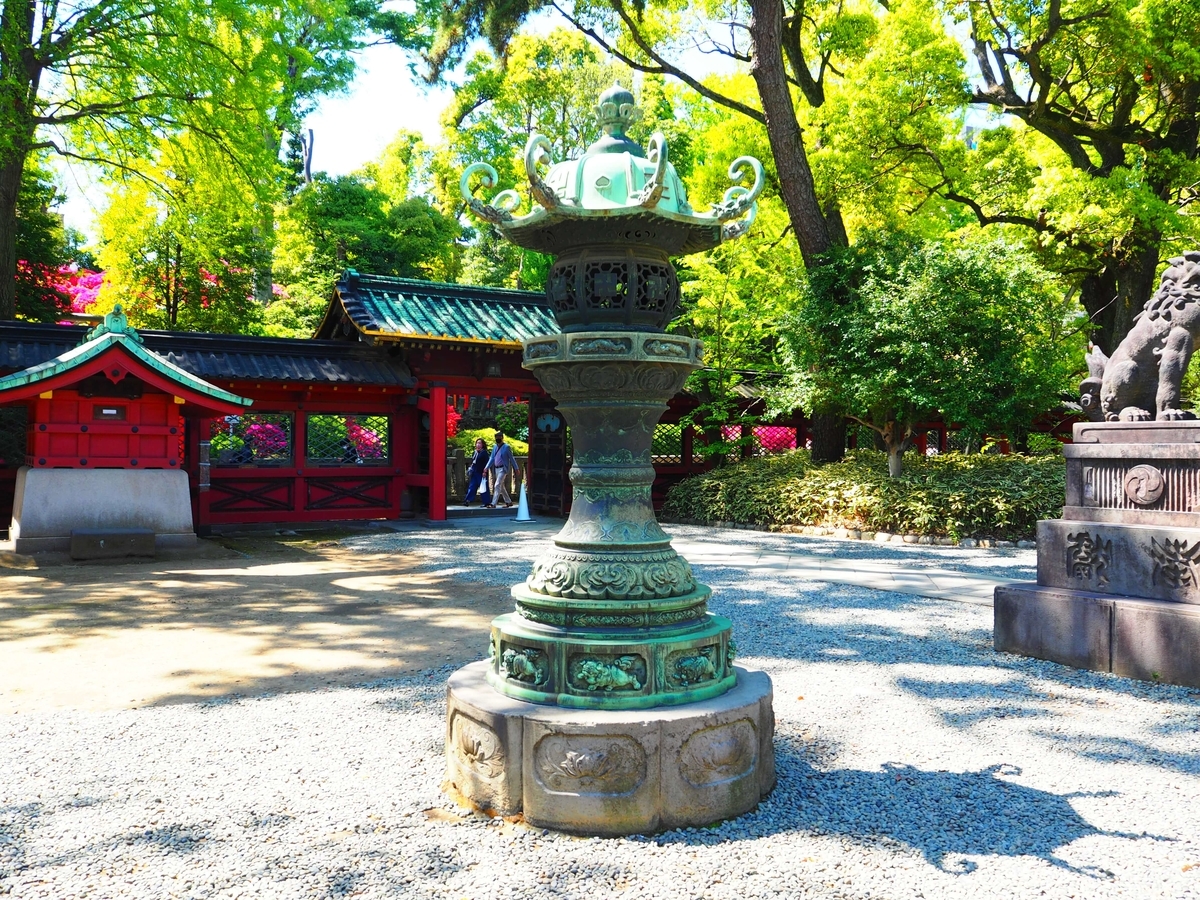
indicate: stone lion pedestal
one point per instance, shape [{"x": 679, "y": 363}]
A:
[{"x": 1118, "y": 587}]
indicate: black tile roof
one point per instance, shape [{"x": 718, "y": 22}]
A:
[{"x": 216, "y": 356}]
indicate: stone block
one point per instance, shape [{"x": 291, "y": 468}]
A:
[
  {"x": 1157, "y": 641},
  {"x": 484, "y": 733},
  {"x": 592, "y": 772},
  {"x": 1069, "y": 627},
  {"x": 99, "y": 543},
  {"x": 610, "y": 772},
  {"x": 719, "y": 755},
  {"x": 1148, "y": 561},
  {"x": 49, "y": 504}
]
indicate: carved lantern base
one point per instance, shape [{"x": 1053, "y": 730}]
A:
[
  {"x": 611, "y": 617},
  {"x": 609, "y": 772},
  {"x": 610, "y": 703},
  {"x": 1118, "y": 586}
]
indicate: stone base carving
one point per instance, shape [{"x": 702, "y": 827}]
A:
[{"x": 610, "y": 772}]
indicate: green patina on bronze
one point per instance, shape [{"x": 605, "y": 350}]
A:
[{"x": 611, "y": 617}]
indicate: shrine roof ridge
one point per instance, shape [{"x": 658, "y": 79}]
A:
[
  {"x": 115, "y": 335},
  {"x": 398, "y": 309}
]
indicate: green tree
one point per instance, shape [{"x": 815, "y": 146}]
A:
[
  {"x": 43, "y": 245},
  {"x": 734, "y": 298},
  {"x": 102, "y": 81},
  {"x": 179, "y": 245},
  {"x": 1100, "y": 161},
  {"x": 896, "y": 71},
  {"x": 971, "y": 329},
  {"x": 334, "y": 224}
]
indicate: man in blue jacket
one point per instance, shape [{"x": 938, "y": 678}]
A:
[{"x": 501, "y": 464}]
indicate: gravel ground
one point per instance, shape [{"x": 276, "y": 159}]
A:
[{"x": 913, "y": 762}]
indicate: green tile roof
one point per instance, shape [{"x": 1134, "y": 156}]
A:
[
  {"x": 399, "y": 308},
  {"x": 115, "y": 332}
]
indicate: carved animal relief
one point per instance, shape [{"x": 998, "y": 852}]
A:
[
  {"x": 622, "y": 673},
  {"x": 524, "y": 665}
]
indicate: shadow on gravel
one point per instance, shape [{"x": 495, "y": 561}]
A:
[
  {"x": 971, "y": 682},
  {"x": 1105, "y": 748},
  {"x": 948, "y": 817}
]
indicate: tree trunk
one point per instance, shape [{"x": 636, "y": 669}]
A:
[
  {"x": 783, "y": 131},
  {"x": 10, "y": 189},
  {"x": 897, "y": 440},
  {"x": 799, "y": 193},
  {"x": 1117, "y": 293},
  {"x": 828, "y": 437}
]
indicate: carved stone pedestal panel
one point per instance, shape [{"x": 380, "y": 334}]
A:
[
  {"x": 610, "y": 772},
  {"x": 1118, "y": 587}
]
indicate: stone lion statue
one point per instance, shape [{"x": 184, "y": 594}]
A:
[{"x": 1140, "y": 381}]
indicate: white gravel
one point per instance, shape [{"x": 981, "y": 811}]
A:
[{"x": 913, "y": 762}]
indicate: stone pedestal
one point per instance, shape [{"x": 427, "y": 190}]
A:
[
  {"x": 49, "y": 504},
  {"x": 610, "y": 772},
  {"x": 1118, "y": 586}
]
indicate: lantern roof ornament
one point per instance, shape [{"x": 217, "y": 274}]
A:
[{"x": 615, "y": 181}]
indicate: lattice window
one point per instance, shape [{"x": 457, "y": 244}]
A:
[
  {"x": 657, "y": 287},
  {"x": 774, "y": 439},
  {"x": 562, "y": 288},
  {"x": 337, "y": 440},
  {"x": 933, "y": 443},
  {"x": 13, "y": 422},
  {"x": 252, "y": 439},
  {"x": 667, "y": 445},
  {"x": 607, "y": 284}
]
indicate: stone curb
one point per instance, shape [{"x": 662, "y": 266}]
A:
[{"x": 855, "y": 534}]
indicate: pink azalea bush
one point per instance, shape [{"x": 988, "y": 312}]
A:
[
  {"x": 81, "y": 286},
  {"x": 367, "y": 442},
  {"x": 266, "y": 439}
]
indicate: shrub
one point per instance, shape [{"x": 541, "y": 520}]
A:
[
  {"x": 513, "y": 419},
  {"x": 465, "y": 440},
  {"x": 950, "y": 494}
]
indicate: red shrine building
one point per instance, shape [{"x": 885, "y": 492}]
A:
[{"x": 350, "y": 424}]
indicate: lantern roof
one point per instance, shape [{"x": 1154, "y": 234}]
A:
[{"x": 616, "y": 183}]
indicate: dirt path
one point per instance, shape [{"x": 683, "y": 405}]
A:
[{"x": 289, "y": 615}]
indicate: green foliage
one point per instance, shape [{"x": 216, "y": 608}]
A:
[
  {"x": 951, "y": 494},
  {"x": 894, "y": 332},
  {"x": 465, "y": 440},
  {"x": 512, "y": 418},
  {"x": 337, "y": 223},
  {"x": 324, "y": 435},
  {"x": 222, "y": 442},
  {"x": 42, "y": 246},
  {"x": 180, "y": 247},
  {"x": 297, "y": 312}
]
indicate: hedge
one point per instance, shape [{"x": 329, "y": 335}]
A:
[{"x": 952, "y": 494}]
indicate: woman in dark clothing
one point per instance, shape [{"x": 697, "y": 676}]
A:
[{"x": 476, "y": 471}]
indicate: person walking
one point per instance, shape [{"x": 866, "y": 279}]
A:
[
  {"x": 477, "y": 474},
  {"x": 501, "y": 464}
]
